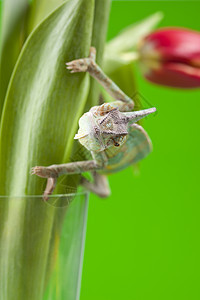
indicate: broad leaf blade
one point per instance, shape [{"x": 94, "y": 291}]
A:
[
  {"x": 40, "y": 117},
  {"x": 39, "y": 10},
  {"x": 14, "y": 14},
  {"x": 44, "y": 101}
]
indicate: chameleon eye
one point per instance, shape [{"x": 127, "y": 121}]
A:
[
  {"x": 118, "y": 140},
  {"x": 116, "y": 144}
]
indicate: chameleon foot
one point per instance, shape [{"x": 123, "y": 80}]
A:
[
  {"x": 82, "y": 64},
  {"x": 44, "y": 172},
  {"x": 79, "y": 65}
]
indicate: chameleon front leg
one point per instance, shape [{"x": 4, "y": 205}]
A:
[
  {"x": 54, "y": 171},
  {"x": 89, "y": 65},
  {"x": 100, "y": 186}
]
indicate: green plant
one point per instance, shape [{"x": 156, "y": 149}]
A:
[{"x": 40, "y": 107}]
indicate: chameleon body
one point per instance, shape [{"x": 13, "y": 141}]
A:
[
  {"x": 128, "y": 147},
  {"x": 109, "y": 132}
]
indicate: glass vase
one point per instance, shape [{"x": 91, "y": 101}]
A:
[{"x": 42, "y": 246}]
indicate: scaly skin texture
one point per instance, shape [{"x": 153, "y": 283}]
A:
[{"x": 108, "y": 132}]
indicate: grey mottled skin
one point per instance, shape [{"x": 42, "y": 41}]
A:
[{"x": 108, "y": 132}]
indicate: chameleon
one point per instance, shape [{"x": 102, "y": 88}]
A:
[{"x": 109, "y": 132}]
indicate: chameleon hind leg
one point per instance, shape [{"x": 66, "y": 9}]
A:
[
  {"x": 100, "y": 186},
  {"x": 124, "y": 103}
]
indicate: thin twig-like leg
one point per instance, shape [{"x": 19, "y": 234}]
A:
[
  {"x": 54, "y": 171},
  {"x": 89, "y": 65},
  {"x": 100, "y": 186},
  {"x": 77, "y": 167},
  {"x": 50, "y": 186}
]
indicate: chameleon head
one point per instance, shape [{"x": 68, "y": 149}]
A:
[{"x": 97, "y": 133}]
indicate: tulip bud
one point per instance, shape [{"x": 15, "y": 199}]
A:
[{"x": 171, "y": 57}]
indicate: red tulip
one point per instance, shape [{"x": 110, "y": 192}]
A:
[{"x": 171, "y": 57}]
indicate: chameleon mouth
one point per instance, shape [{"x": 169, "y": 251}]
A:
[{"x": 80, "y": 136}]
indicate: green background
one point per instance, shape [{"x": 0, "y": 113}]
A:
[{"x": 143, "y": 241}]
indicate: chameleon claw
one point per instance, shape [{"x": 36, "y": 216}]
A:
[
  {"x": 39, "y": 171},
  {"x": 69, "y": 68},
  {"x": 72, "y": 69},
  {"x": 82, "y": 64},
  {"x": 44, "y": 172},
  {"x": 33, "y": 171},
  {"x": 79, "y": 65},
  {"x": 70, "y": 65}
]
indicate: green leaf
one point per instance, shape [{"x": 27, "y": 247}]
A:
[
  {"x": 40, "y": 117},
  {"x": 130, "y": 36},
  {"x": 45, "y": 101},
  {"x": 119, "y": 55},
  {"x": 13, "y": 35},
  {"x": 119, "y": 51},
  {"x": 101, "y": 15},
  {"x": 39, "y": 10}
]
